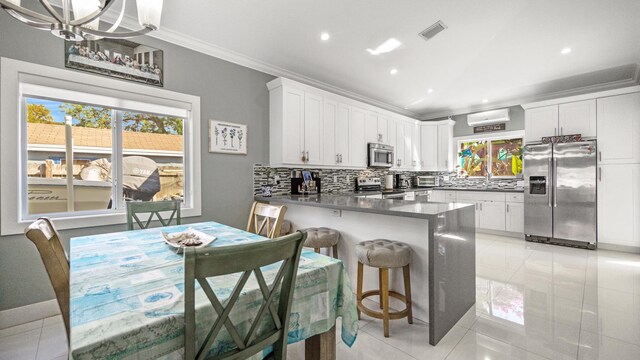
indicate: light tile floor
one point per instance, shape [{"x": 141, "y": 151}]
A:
[{"x": 533, "y": 302}]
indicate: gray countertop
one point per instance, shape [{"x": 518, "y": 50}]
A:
[{"x": 414, "y": 209}]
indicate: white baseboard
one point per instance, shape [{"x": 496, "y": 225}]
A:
[
  {"x": 28, "y": 313},
  {"x": 621, "y": 248}
]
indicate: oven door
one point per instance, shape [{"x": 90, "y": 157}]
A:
[{"x": 380, "y": 157}]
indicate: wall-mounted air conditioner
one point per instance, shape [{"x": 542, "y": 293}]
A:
[{"x": 488, "y": 117}]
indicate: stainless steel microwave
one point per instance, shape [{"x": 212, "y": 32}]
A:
[{"x": 380, "y": 156}]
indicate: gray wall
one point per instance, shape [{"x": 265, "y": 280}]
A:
[
  {"x": 228, "y": 92},
  {"x": 461, "y": 128}
]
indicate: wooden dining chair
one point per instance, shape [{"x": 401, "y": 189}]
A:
[
  {"x": 266, "y": 219},
  {"x": 152, "y": 208},
  {"x": 247, "y": 259},
  {"x": 44, "y": 235}
]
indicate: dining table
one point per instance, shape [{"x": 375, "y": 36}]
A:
[{"x": 127, "y": 301}]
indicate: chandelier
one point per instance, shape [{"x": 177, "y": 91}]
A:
[{"x": 78, "y": 20}]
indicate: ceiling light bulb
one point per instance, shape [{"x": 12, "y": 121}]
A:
[
  {"x": 393, "y": 71},
  {"x": 430, "y": 91},
  {"x": 387, "y": 46},
  {"x": 325, "y": 36},
  {"x": 484, "y": 101},
  {"x": 565, "y": 51}
]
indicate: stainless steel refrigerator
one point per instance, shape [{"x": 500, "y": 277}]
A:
[{"x": 560, "y": 193}]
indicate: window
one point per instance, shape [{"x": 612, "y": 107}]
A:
[
  {"x": 84, "y": 150},
  {"x": 498, "y": 156},
  {"x": 61, "y": 133}
]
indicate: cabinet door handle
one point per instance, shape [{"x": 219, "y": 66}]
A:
[
  {"x": 561, "y": 130},
  {"x": 307, "y": 156},
  {"x": 303, "y": 158},
  {"x": 340, "y": 158},
  {"x": 599, "y": 174},
  {"x": 337, "y": 159},
  {"x": 507, "y": 207},
  {"x": 599, "y": 155}
]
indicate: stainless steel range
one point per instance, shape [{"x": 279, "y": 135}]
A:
[
  {"x": 560, "y": 193},
  {"x": 373, "y": 184}
]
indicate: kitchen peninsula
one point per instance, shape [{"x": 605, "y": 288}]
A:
[{"x": 441, "y": 235}]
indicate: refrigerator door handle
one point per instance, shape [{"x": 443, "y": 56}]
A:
[
  {"x": 549, "y": 177},
  {"x": 555, "y": 183}
]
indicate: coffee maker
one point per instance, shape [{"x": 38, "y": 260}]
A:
[
  {"x": 401, "y": 181},
  {"x": 305, "y": 182}
]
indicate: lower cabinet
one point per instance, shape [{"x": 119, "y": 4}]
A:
[
  {"x": 438, "y": 196},
  {"x": 492, "y": 215},
  {"x": 619, "y": 204},
  {"x": 514, "y": 217}
]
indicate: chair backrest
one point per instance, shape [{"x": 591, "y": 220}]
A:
[
  {"x": 47, "y": 240},
  {"x": 152, "y": 208},
  {"x": 266, "y": 219},
  {"x": 203, "y": 263}
]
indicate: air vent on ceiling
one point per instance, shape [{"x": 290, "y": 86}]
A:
[{"x": 432, "y": 30}]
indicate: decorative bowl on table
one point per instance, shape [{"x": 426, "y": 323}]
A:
[{"x": 187, "y": 238}]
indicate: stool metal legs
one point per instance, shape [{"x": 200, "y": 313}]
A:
[{"x": 383, "y": 292}]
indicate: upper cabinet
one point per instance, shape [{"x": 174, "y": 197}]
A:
[
  {"x": 577, "y": 118},
  {"x": 619, "y": 129},
  {"x": 311, "y": 127},
  {"x": 564, "y": 119}
]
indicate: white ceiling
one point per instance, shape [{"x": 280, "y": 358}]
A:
[{"x": 501, "y": 50}]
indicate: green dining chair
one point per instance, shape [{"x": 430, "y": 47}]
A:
[
  {"x": 152, "y": 208},
  {"x": 247, "y": 259}
]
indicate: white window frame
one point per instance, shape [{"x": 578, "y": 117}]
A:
[
  {"x": 487, "y": 137},
  {"x": 20, "y": 79}
]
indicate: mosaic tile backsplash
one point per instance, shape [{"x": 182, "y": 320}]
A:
[{"x": 340, "y": 180}]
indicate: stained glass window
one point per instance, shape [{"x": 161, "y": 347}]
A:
[
  {"x": 500, "y": 157},
  {"x": 473, "y": 158},
  {"x": 506, "y": 157}
]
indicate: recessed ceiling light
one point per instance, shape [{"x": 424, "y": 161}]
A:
[
  {"x": 387, "y": 46},
  {"x": 325, "y": 36},
  {"x": 430, "y": 91},
  {"x": 565, "y": 51},
  {"x": 484, "y": 101},
  {"x": 393, "y": 71}
]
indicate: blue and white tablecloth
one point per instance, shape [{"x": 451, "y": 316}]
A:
[{"x": 127, "y": 295}]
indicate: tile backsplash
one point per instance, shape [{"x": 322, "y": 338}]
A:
[{"x": 340, "y": 180}]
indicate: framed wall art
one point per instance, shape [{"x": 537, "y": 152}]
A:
[
  {"x": 227, "y": 138},
  {"x": 122, "y": 59}
]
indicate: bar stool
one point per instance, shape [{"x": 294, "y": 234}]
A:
[
  {"x": 384, "y": 255},
  {"x": 322, "y": 237}
]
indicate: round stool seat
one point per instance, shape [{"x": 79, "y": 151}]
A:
[
  {"x": 285, "y": 229},
  {"x": 321, "y": 237},
  {"x": 382, "y": 253}
]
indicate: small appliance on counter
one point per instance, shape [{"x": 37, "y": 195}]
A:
[
  {"x": 388, "y": 182},
  {"x": 380, "y": 156},
  {"x": 305, "y": 182},
  {"x": 427, "y": 181},
  {"x": 402, "y": 182}
]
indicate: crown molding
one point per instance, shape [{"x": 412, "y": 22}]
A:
[{"x": 537, "y": 98}]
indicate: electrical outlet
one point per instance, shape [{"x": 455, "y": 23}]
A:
[
  {"x": 348, "y": 178},
  {"x": 336, "y": 213}
]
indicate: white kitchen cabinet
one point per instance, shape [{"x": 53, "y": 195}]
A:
[
  {"x": 409, "y": 162},
  {"x": 383, "y": 130},
  {"x": 400, "y": 150},
  {"x": 330, "y": 117},
  {"x": 392, "y": 138},
  {"x": 492, "y": 215},
  {"x": 619, "y": 129},
  {"x": 540, "y": 122},
  {"x": 514, "y": 218},
  {"x": 414, "y": 135},
  {"x": 438, "y": 196},
  {"x": 619, "y": 204},
  {"x": 577, "y": 118},
  {"x": 445, "y": 147},
  {"x": 357, "y": 140},
  {"x": 371, "y": 132},
  {"x": 313, "y": 129},
  {"x": 287, "y": 112},
  {"x": 342, "y": 135},
  {"x": 429, "y": 147}
]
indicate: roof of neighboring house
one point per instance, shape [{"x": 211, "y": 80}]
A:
[{"x": 50, "y": 134}]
